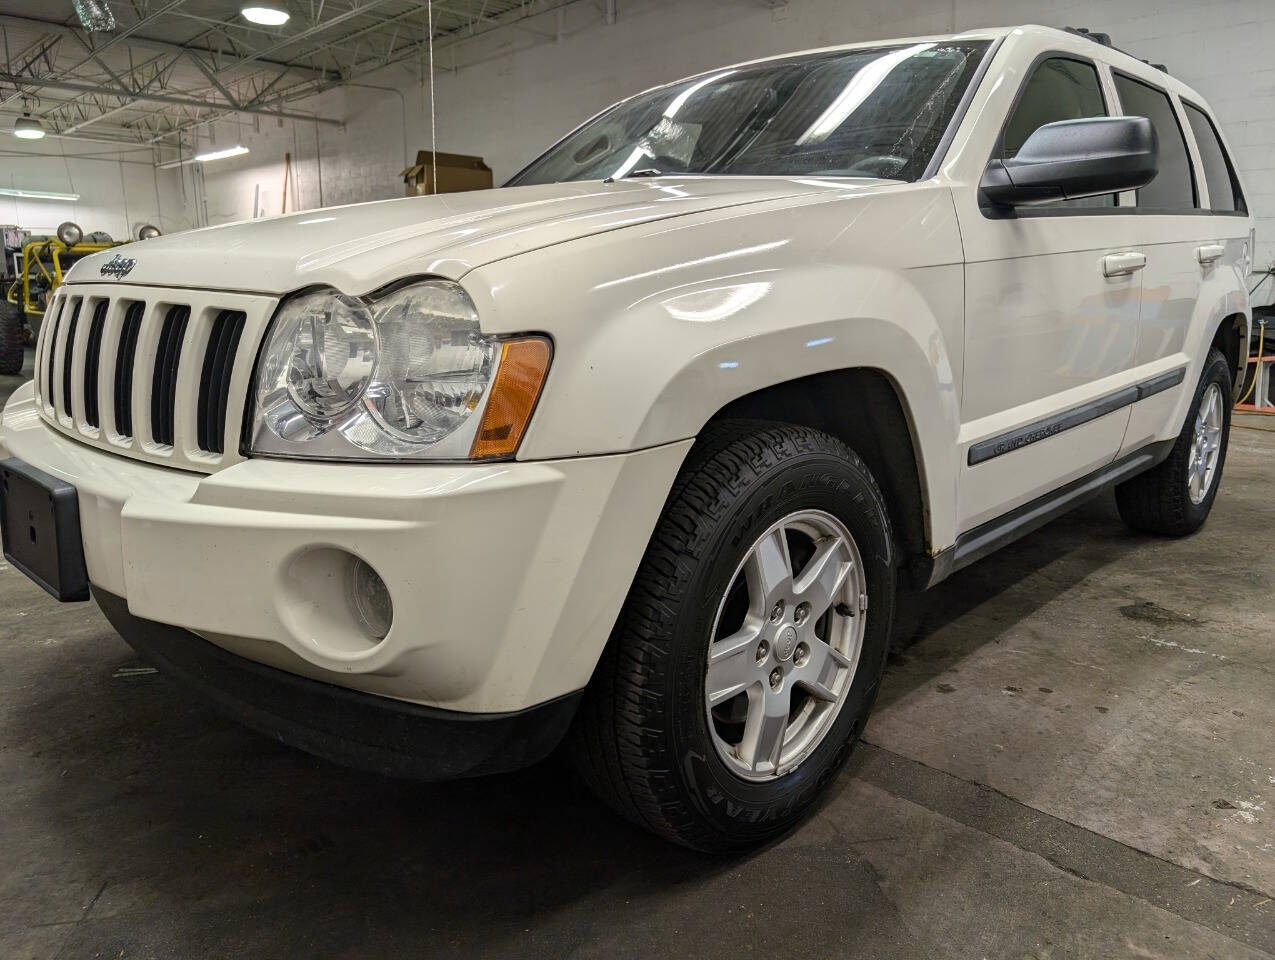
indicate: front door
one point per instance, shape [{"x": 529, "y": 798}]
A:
[{"x": 1051, "y": 318}]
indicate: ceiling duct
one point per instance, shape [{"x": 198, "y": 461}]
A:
[{"x": 94, "y": 14}]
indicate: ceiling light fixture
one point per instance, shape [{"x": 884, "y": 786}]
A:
[
  {"x": 265, "y": 12},
  {"x": 236, "y": 151},
  {"x": 38, "y": 194},
  {"x": 28, "y": 127}
]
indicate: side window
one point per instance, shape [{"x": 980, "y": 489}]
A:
[
  {"x": 1224, "y": 192},
  {"x": 1174, "y": 186},
  {"x": 1058, "y": 89}
]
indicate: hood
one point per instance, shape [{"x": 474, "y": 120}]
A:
[{"x": 361, "y": 247}]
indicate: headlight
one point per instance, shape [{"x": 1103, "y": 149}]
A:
[
  {"x": 324, "y": 361},
  {"x": 406, "y": 375}
]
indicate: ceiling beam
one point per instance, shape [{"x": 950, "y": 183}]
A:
[
  {"x": 230, "y": 59},
  {"x": 148, "y": 96}
]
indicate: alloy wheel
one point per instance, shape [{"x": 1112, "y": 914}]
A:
[
  {"x": 785, "y": 645},
  {"x": 1206, "y": 444}
]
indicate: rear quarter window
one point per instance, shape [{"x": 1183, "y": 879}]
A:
[{"x": 1219, "y": 173}]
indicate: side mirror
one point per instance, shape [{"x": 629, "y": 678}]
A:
[{"x": 1075, "y": 158}]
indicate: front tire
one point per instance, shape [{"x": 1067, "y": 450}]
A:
[
  {"x": 12, "y": 338},
  {"x": 1174, "y": 498},
  {"x": 752, "y": 643}
]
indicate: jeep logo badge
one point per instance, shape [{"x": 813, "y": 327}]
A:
[{"x": 118, "y": 267}]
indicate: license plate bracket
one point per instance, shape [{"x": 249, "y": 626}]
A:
[{"x": 40, "y": 529}]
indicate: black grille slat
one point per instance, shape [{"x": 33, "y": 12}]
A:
[
  {"x": 52, "y": 348},
  {"x": 92, "y": 358},
  {"x": 164, "y": 383},
  {"x": 214, "y": 383},
  {"x": 67, "y": 356},
  {"x": 124, "y": 360}
]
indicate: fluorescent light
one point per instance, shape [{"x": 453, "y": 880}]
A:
[
  {"x": 624, "y": 169},
  {"x": 861, "y": 86},
  {"x": 38, "y": 194},
  {"x": 264, "y": 12},
  {"x": 28, "y": 128},
  {"x": 680, "y": 100},
  {"x": 221, "y": 154}
]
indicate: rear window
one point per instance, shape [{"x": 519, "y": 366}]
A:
[
  {"x": 1174, "y": 186},
  {"x": 1219, "y": 174}
]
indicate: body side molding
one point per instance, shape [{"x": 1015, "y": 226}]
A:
[{"x": 1021, "y": 437}]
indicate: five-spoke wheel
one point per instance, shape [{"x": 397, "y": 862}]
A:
[
  {"x": 1206, "y": 444},
  {"x": 785, "y": 644}
]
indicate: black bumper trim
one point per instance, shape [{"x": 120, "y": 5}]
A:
[
  {"x": 387, "y": 736},
  {"x": 63, "y": 575}
]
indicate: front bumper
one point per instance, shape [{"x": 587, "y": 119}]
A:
[
  {"x": 391, "y": 737},
  {"x": 506, "y": 578}
]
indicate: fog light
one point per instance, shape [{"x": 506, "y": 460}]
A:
[{"x": 369, "y": 599}]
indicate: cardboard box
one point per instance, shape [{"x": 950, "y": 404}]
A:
[{"x": 456, "y": 172}]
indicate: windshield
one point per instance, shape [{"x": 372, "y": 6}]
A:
[{"x": 871, "y": 112}]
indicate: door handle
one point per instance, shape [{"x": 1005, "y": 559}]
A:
[
  {"x": 1209, "y": 252},
  {"x": 1123, "y": 264}
]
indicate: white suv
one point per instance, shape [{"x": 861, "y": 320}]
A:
[{"x": 635, "y": 451}]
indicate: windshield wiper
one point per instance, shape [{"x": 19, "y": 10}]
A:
[{"x": 644, "y": 172}]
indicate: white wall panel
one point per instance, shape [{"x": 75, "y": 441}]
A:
[{"x": 115, "y": 196}]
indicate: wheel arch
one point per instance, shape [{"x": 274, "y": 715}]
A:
[
  {"x": 864, "y": 408},
  {"x": 1231, "y": 338}
]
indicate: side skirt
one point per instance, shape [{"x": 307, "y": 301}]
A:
[{"x": 989, "y": 537}]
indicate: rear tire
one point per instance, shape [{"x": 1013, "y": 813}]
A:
[
  {"x": 12, "y": 338},
  {"x": 649, "y": 739},
  {"x": 1174, "y": 498}
]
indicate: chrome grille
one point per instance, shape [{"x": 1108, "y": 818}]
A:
[{"x": 150, "y": 373}]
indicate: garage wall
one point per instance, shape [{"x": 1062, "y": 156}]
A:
[
  {"x": 516, "y": 92},
  {"x": 117, "y": 190}
]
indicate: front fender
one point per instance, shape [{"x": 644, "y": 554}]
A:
[{"x": 649, "y": 347}]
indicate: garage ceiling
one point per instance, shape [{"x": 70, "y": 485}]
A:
[{"x": 170, "y": 66}]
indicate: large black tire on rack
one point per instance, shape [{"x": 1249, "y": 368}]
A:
[{"x": 12, "y": 339}]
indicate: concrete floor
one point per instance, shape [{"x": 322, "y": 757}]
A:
[{"x": 1073, "y": 757}]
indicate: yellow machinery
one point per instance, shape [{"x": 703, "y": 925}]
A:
[{"x": 44, "y": 261}]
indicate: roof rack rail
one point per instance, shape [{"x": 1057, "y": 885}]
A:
[{"x": 1105, "y": 40}]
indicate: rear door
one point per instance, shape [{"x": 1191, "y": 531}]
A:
[
  {"x": 1195, "y": 235},
  {"x": 1051, "y": 315}
]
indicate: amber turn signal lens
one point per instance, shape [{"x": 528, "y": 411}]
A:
[{"x": 523, "y": 365}]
